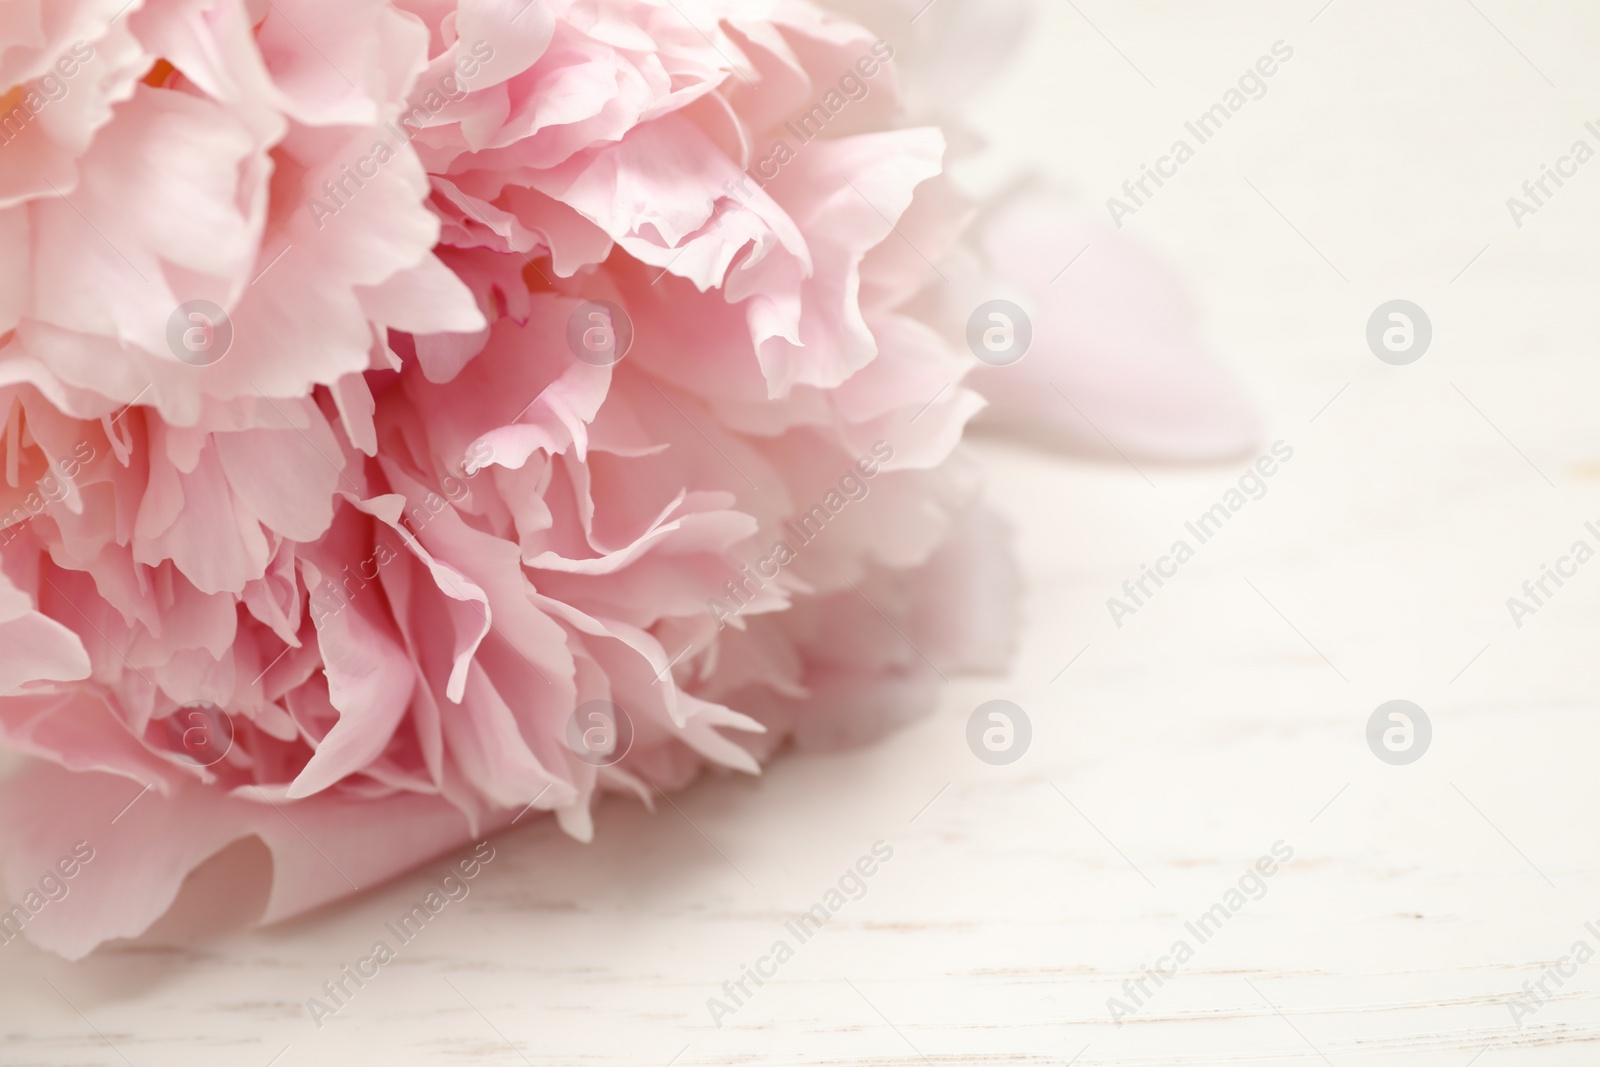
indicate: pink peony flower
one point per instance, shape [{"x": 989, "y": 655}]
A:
[{"x": 419, "y": 413}]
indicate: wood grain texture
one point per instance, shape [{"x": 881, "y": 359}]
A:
[{"x": 1225, "y": 716}]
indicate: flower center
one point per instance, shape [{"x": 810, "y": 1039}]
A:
[
  {"x": 10, "y": 99},
  {"x": 158, "y": 74}
]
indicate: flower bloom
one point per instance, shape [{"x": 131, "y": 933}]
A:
[{"x": 388, "y": 389}]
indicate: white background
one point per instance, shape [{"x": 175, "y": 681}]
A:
[{"x": 1175, "y": 750}]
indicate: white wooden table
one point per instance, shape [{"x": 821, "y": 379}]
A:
[{"x": 1226, "y": 716}]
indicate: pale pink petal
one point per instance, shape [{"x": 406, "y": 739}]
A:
[{"x": 1116, "y": 363}]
